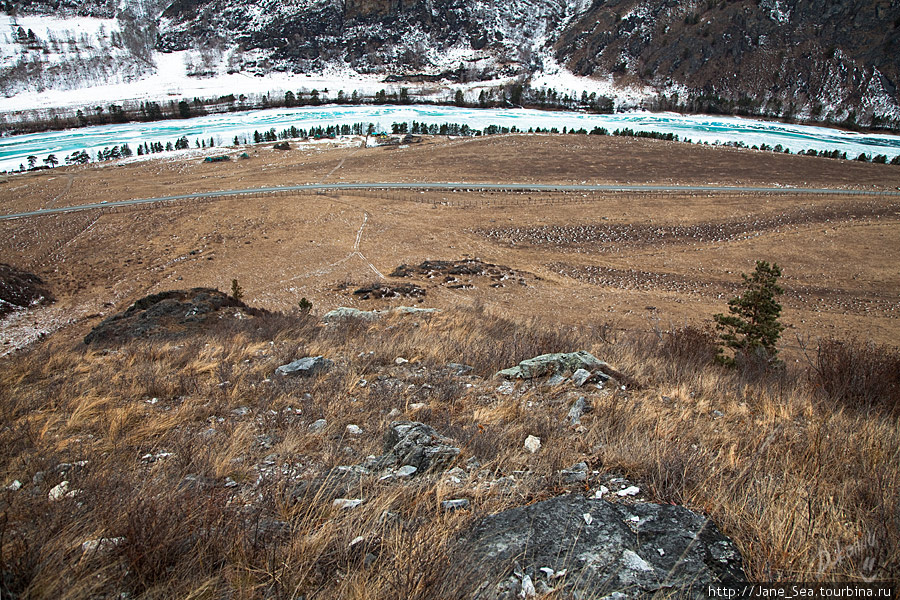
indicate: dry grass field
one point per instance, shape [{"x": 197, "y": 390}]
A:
[
  {"x": 679, "y": 254},
  {"x": 799, "y": 466}
]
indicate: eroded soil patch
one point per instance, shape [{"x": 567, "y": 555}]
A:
[
  {"x": 808, "y": 297},
  {"x": 605, "y": 237}
]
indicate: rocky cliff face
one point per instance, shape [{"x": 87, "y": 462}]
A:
[
  {"x": 836, "y": 60},
  {"x": 826, "y": 60}
]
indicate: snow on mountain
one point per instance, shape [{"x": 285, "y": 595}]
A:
[{"x": 816, "y": 60}]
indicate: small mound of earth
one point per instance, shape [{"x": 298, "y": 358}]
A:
[
  {"x": 168, "y": 315},
  {"x": 461, "y": 273},
  {"x": 20, "y": 289},
  {"x": 386, "y": 290}
]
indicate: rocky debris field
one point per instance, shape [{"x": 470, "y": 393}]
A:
[
  {"x": 408, "y": 452},
  {"x": 462, "y": 274},
  {"x": 379, "y": 291},
  {"x": 20, "y": 290}
]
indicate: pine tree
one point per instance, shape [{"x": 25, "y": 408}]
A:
[
  {"x": 752, "y": 328},
  {"x": 237, "y": 292}
]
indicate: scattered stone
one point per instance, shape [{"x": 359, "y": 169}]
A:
[
  {"x": 555, "y": 379},
  {"x": 384, "y": 290},
  {"x": 305, "y": 367},
  {"x": 532, "y": 444},
  {"x": 347, "y": 503},
  {"x": 101, "y": 545},
  {"x": 528, "y": 590},
  {"x": 418, "y": 445},
  {"x": 417, "y": 406},
  {"x": 414, "y": 310},
  {"x": 400, "y": 361},
  {"x": 151, "y": 458},
  {"x": 354, "y": 429},
  {"x": 405, "y": 472},
  {"x": 580, "y": 377},
  {"x": 75, "y": 467},
  {"x": 458, "y": 473},
  {"x": 318, "y": 425},
  {"x": 230, "y": 483},
  {"x": 15, "y": 486},
  {"x": 631, "y": 490},
  {"x": 59, "y": 491},
  {"x": 578, "y": 408},
  {"x": 507, "y": 387},
  {"x": 241, "y": 411},
  {"x": 589, "y": 542},
  {"x": 558, "y": 363},
  {"x": 577, "y": 473},
  {"x": 459, "y": 369},
  {"x": 458, "y": 274},
  {"x": 458, "y": 504}
]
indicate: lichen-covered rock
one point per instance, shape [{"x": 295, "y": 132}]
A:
[
  {"x": 343, "y": 313},
  {"x": 602, "y": 547},
  {"x": 418, "y": 445},
  {"x": 558, "y": 363}
]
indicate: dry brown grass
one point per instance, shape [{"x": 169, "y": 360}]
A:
[
  {"x": 799, "y": 466},
  {"x": 795, "y": 478}
]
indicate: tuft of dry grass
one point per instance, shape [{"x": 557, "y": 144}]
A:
[{"x": 200, "y": 462}]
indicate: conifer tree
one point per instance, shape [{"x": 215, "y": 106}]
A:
[{"x": 752, "y": 327}]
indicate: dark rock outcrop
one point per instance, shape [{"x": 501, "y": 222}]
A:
[
  {"x": 21, "y": 289},
  {"x": 593, "y": 548},
  {"x": 388, "y": 290},
  {"x": 169, "y": 314}
]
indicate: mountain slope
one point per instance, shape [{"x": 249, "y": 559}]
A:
[
  {"x": 774, "y": 56},
  {"x": 822, "y": 60}
]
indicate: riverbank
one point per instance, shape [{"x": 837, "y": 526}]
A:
[{"x": 248, "y": 126}]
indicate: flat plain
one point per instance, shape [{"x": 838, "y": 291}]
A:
[{"x": 625, "y": 260}]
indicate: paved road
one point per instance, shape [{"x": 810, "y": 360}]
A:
[{"x": 511, "y": 187}]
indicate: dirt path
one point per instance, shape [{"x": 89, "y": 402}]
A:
[{"x": 71, "y": 178}]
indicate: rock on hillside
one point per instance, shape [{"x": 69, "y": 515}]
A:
[
  {"x": 593, "y": 548},
  {"x": 831, "y": 60},
  {"x": 168, "y": 315},
  {"x": 20, "y": 289}
]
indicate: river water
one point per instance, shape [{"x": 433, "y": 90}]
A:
[{"x": 223, "y": 128}]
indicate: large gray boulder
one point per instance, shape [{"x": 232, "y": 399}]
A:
[
  {"x": 558, "y": 363},
  {"x": 591, "y": 548}
]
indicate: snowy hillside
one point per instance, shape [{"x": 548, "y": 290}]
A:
[{"x": 815, "y": 61}]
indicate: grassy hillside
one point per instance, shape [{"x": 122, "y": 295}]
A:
[{"x": 197, "y": 466}]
